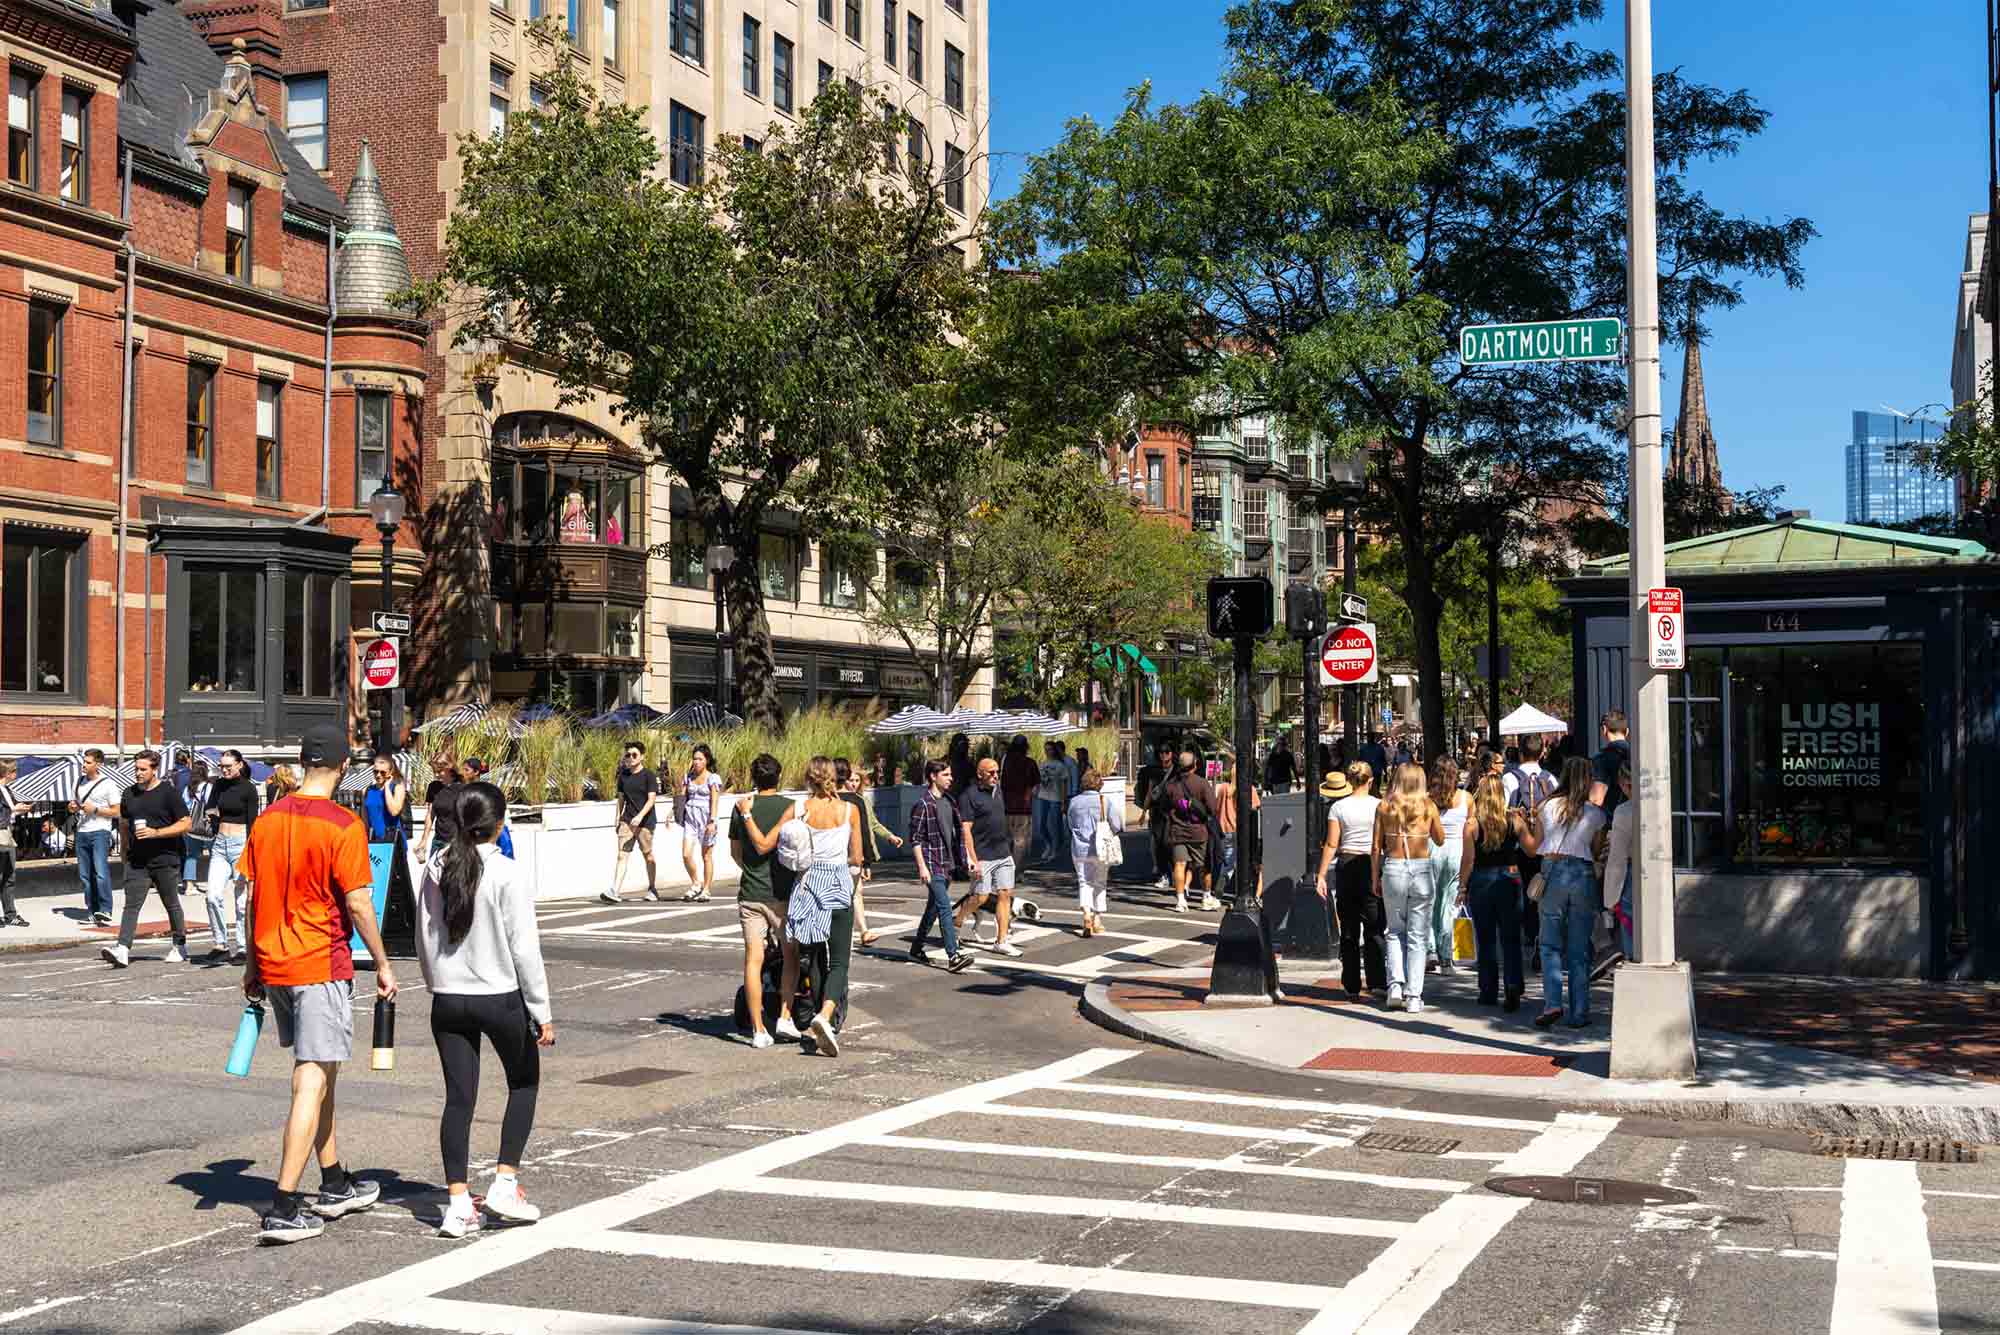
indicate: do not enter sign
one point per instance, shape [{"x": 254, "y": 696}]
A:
[
  {"x": 1347, "y": 658},
  {"x": 381, "y": 665}
]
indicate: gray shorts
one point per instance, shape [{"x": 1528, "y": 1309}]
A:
[
  {"x": 316, "y": 1020},
  {"x": 995, "y": 876}
]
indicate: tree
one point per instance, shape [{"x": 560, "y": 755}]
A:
[
  {"x": 1970, "y": 452},
  {"x": 779, "y": 329},
  {"x": 1693, "y": 511},
  {"x": 1328, "y": 290}
]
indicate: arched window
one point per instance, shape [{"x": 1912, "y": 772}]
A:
[{"x": 560, "y": 481}]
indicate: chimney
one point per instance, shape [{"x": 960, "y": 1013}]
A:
[{"x": 258, "y": 24}]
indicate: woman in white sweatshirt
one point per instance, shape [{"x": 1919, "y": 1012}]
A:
[{"x": 482, "y": 960}]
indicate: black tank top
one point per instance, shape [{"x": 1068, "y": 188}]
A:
[{"x": 1507, "y": 855}]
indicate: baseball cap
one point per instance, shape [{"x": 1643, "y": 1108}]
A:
[{"x": 324, "y": 746}]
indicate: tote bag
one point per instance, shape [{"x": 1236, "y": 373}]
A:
[{"x": 1105, "y": 845}]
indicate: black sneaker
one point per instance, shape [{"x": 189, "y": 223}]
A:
[
  {"x": 353, "y": 1197},
  {"x": 297, "y": 1227},
  {"x": 216, "y": 956},
  {"x": 918, "y": 955},
  {"x": 239, "y": 958},
  {"x": 959, "y": 963},
  {"x": 101, "y": 919},
  {"x": 14, "y": 920}
]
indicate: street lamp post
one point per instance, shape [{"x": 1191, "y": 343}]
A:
[
  {"x": 717, "y": 562},
  {"x": 386, "y": 508}
]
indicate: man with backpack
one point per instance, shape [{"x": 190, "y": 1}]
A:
[
  {"x": 1528, "y": 786},
  {"x": 1190, "y": 802},
  {"x": 1150, "y": 795}
]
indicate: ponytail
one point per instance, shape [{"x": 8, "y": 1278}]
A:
[{"x": 479, "y": 808}]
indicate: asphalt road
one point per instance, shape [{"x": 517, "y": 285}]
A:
[{"x": 979, "y": 1158}]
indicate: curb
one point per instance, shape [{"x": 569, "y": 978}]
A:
[{"x": 1974, "y": 1125}]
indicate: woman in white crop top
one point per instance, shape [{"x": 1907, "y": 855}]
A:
[
  {"x": 1453, "y": 804},
  {"x": 1350, "y": 834},
  {"x": 1569, "y": 903}
]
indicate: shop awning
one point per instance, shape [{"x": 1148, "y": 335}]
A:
[{"x": 1124, "y": 655}]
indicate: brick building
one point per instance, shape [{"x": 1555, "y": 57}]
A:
[{"x": 181, "y": 503}]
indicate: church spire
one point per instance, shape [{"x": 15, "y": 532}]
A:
[{"x": 1695, "y": 459}]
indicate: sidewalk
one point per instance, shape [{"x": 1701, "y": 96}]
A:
[{"x": 1847, "y": 1056}]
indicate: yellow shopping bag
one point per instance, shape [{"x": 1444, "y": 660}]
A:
[{"x": 1462, "y": 945}]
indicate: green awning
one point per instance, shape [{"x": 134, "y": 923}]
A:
[
  {"x": 1801, "y": 544},
  {"x": 1122, "y": 656}
]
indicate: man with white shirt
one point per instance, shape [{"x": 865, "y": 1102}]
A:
[
  {"x": 96, "y": 807},
  {"x": 1540, "y": 783}
]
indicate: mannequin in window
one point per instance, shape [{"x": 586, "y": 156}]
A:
[
  {"x": 576, "y": 526},
  {"x": 614, "y": 532},
  {"x": 500, "y": 519}
]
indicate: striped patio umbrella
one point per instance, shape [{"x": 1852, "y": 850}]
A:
[
  {"x": 915, "y": 721},
  {"x": 1028, "y": 721},
  {"x": 701, "y": 715},
  {"x": 360, "y": 776},
  {"x": 464, "y": 716},
  {"x": 53, "y": 781}
]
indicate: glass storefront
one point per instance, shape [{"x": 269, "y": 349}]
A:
[{"x": 1806, "y": 755}]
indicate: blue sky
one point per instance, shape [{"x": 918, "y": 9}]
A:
[{"x": 1877, "y": 134}]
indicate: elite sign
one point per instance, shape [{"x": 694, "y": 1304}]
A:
[
  {"x": 1347, "y": 658},
  {"x": 1666, "y": 628}
]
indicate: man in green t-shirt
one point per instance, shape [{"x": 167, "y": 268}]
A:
[{"x": 760, "y": 899}]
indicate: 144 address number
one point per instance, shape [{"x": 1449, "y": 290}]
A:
[{"x": 1781, "y": 621}]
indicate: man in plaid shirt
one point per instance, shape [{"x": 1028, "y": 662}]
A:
[{"x": 933, "y": 825}]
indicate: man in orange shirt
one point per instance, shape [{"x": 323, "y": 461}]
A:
[{"x": 310, "y": 889}]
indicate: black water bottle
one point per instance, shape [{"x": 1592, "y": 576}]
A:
[{"x": 384, "y": 1056}]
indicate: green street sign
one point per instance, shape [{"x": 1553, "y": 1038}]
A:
[{"x": 1542, "y": 341}]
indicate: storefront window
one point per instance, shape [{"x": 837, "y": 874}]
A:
[
  {"x": 622, "y": 632},
  {"x": 559, "y": 480},
  {"x": 579, "y": 629},
  {"x": 842, "y": 578},
  {"x": 222, "y": 629},
  {"x": 688, "y": 554},
  {"x": 36, "y": 596},
  {"x": 309, "y": 635},
  {"x": 618, "y": 530},
  {"x": 777, "y": 568}
]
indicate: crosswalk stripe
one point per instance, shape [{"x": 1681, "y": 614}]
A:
[
  {"x": 1229, "y": 1165},
  {"x": 1369, "y": 1111},
  {"x": 504, "y": 1319},
  {"x": 1096, "y": 1118},
  {"x": 970, "y": 1269},
  {"x": 1088, "y": 1207},
  {"x": 629, "y": 920},
  {"x": 1883, "y": 1281},
  {"x": 1140, "y": 950}
]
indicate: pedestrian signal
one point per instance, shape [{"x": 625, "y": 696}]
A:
[{"x": 1240, "y": 605}]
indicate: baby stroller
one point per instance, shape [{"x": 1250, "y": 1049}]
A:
[{"x": 804, "y": 1004}]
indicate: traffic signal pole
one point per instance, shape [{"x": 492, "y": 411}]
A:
[
  {"x": 1652, "y": 1016},
  {"x": 1245, "y": 972}
]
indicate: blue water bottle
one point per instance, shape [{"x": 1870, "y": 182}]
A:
[{"x": 245, "y": 1045}]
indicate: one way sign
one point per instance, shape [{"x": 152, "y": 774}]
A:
[{"x": 1353, "y": 607}]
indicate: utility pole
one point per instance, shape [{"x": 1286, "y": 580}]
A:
[
  {"x": 1652, "y": 1034},
  {"x": 1350, "y": 696},
  {"x": 1493, "y": 631}
]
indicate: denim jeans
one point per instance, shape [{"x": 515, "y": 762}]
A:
[
  {"x": 1444, "y": 875},
  {"x": 1569, "y": 912},
  {"x": 1050, "y": 836},
  {"x": 222, "y": 876},
  {"x": 938, "y": 910},
  {"x": 1494, "y": 896},
  {"x": 93, "y": 868},
  {"x": 1406, "y": 901}
]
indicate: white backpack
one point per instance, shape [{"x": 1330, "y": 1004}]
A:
[{"x": 795, "y": 840}]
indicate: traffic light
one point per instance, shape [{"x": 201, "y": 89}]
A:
[
  {"x": 1305, "y": 612},
  {"x": 1240, "y": 605}
]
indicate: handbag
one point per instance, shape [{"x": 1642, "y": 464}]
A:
[
  {"x": 1535, "y": 888},
  {"x": 795, "y": 840},
  {"x": 1105, "y": 845}
]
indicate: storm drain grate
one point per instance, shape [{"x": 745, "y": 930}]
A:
[
  {"x": 637, "y": 1075},
  {"x": 1400, "y": 1144},
  {"x": 1894, "y": 1147},
  {"x": 1589, "y": 1191}
]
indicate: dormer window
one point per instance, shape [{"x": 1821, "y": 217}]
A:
[{"x": 236, "y": 233}]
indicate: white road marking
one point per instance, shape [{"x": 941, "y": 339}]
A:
[
  {"x": 1087, "y": 1207},
  {"x": 36, "y": 1309},
  {"x": 1985, "y": 1267},
  {"x": 1139, "y": 950},
  {"x": 502, "y": 1319},
  {"x": 1096, "y": 1118},
  {"x": 627, "y": 921},
  {"x": 1883, "y": 1284},
  {"x": 168, "y": 1246},
  {"x": 384, "y": 1298},
  {"x": 968, "y": 1269},
  {"x": 1403, "y": 1283},
  {"x": 1229, "y": 1165},
  {"x": 1363, "y": 1110}
]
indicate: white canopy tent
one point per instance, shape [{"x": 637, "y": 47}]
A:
[{"x": 1528, "y": 719}]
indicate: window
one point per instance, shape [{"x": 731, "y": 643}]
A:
[
  {"x": 74, "y": 181},
  {"x": 825, "y": 75},
  {"x": 610, "y": 35},
  {"x": 37, "y": 597},
  {"x": 889, "y": 117},
  {"x": 270, "y": 426},
  {"x": 236, "y": 232},
  {"x": 911, "y": 583},
  {"x": 45, "y": 368},
  {"x": 573, "y": 22},
  {"x": 1156, "y": 481},
  {"x": 538, "y": 97},
  {"x": 781, "y": 73},
  {"x": 916, "y": 149},
  {"x": 753, "y": 68},
  {"x": 1208, "y": 500},
  {"x": 1256, "y": 513},
  {"x": 853, "y": 20},
  {"x": 1255, "y": 443},
  {"x": 310, "y": 635},
  {"x": 684, "y": 28},
  {"x": 23, "y": 107},
  {"x": 752, "y": 144},
  {"x": 889, "y": 32},
  {"x": 777, "y": 567},
  {"x": 305, "y": 117},
  {"x": 954, "y": 77},
  {"x": 687, "y": 554},
  {"x": 371, "y": 443},
  {"x": 537, "y": 8},
  {"x": 916, "y": 65},
  {"x": 955, "y": 6},
  {"x": 843, "y": 578},
  {"x": 200, "y": 469},
  {"x": 688, "y": 135},
  {"x": 499, "y": 97},
  {"x": 222, "y": 614},
  {"x": 1184, "y": 480},
  {"x": 1299, "y": 464},
  {"x": 954, "y": 177},
  {"x": 826, "y": 12}
]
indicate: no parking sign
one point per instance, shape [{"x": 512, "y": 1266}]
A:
[{"x": 1666, "y": 628}]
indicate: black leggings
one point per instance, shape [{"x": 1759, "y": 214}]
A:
[{"x": 457, "y": 1021}]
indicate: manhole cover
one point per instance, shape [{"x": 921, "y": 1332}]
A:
[
  {"x": 1894, "y": 1147},
  {"x": 1589, "y": 1191},
  {"x": 637, "y": 1075},
  {"x": 1389, "y": 1140}
]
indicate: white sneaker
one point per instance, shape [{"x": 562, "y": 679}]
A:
[
  {"x": 116, "y": 955},
  {"x": 1007, "y": 948},
  {"x": 610, "y": 897},
  {"x": 823, "y": 1037},
  {"x": 1395, "y": 996},
  {"x": 504, "y": 1198},
  {"x": 788, "y": 1030},
  {"x": 176, "y": 955},
  {"x": 1163, "y": 884},
  {"x": 1180, "y": 906},
  {"x": 1415, "y": 1005},
  {"x": 459, "y": 1220},
  {"x": 761, "y": 1039},
  {"x": 1209, "y": 903}
]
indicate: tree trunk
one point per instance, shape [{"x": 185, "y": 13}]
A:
[
  {"x": 1426, "y": 612},
  {"x": 756, "y": 669}
]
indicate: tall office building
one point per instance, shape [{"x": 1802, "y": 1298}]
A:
[{"x": 1887, "y": 483}]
